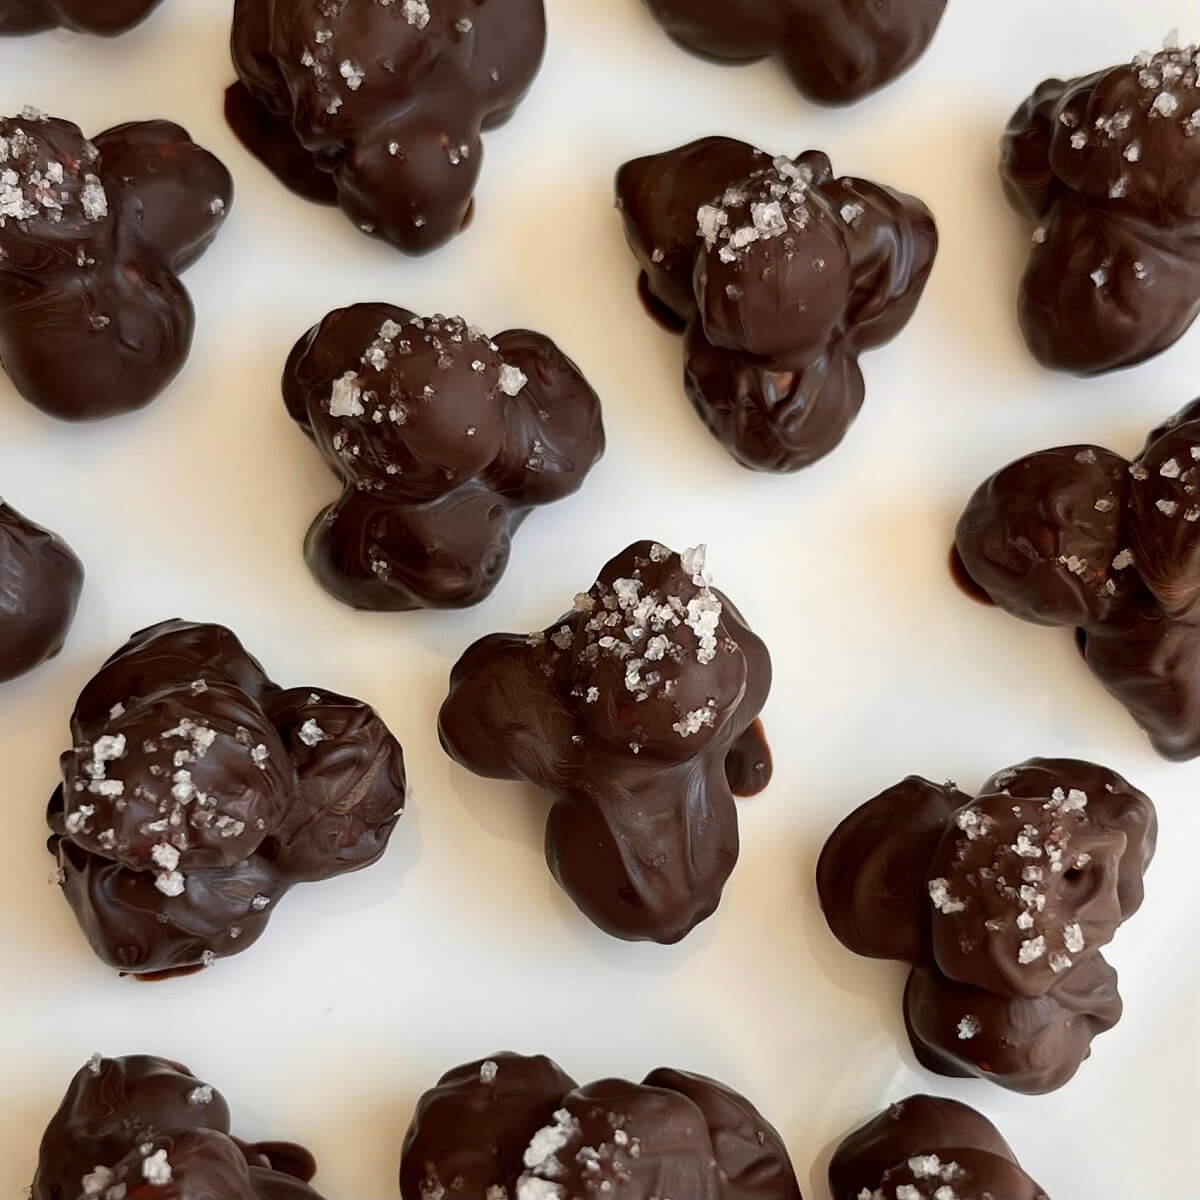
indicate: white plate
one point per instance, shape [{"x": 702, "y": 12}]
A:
[{"x": 365, "y": 989}]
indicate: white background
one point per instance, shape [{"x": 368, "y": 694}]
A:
[{"x": 458, "y": 943}]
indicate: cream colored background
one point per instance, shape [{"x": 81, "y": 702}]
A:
[{"x": 364, "y": 990}]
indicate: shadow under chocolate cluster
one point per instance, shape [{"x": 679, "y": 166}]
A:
[
  {"x": 926, "y": 1148},
  {"x": 836, "y": 51},
  {"x": 1002, "y": 904},
  {"x": 444, "y": 439},
  {"x": 198, "y": 792},
  {"x": 105, "y": 17},
  {"x": 1079, "y": 536},
  {"x": 637, "y": 711},
  {"x": 519, "y": 1128},
  {"x": 1109, "y": 167},
  {"x": 779, "y": 276},
  {"x": 93, "y": 236},
  {"x": 379, "y": 107},
  {"x": 40, "y": 582},
  {"x": 142, "y": 1126}
]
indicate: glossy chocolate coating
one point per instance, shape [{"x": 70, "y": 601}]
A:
[
  {"x": 1079, "y": 536},
  {"x": 514, "y": 1126},
  {"x": 93, "y": 235},
  {"x": 198, "y": 792},
  {"x": 837, "y": 51},
  {"x": 105, "y": 17},
  {"x": 40, "y": 582},
  {"x": 379, "y": 107},
  {"x": 627, "y": 710},
  {"x": 780, "y": 275},
  {"x": 1001, "y": 904},
  {"x": 444, "y": 440},
  {"x": 928, "y": 1143},
  {"x": 1108, "y": 166},
  {"x": 140, "y": 1126}
]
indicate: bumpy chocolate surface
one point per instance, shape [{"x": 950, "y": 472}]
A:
[
  {"x": 1108, "y": 166},
  {"x": 779, "y": 275},
  {"x": 105, "y": 17},
  {"x": 1001, "y": 903},
  {"x": 93, "y": 235},
  {"x": 1079, "y": 536},
  {"x": 517, "y": 1128},
  {"x": 378, "y": 107},
  {"x": 40, "y": 582},
  {"x": 835, "y": 50},
  {"x": 140, "y": 1126},
  {"x": 926, "y": 1148},
  {"x": 198, "y": 792},
  {"x": 632, "y": 710},
  {"x": 444, "y": 439}
]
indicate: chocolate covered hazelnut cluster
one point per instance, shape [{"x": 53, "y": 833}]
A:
[
  {"x": 1001, "y": 903},
  {"x": 444, "y": 440},
  {"x": 780, "y": 275},
  {"x": 1081, "y": 537},
  {"x": 197, "y": 793},
  {"x": 637, "y": 711}
]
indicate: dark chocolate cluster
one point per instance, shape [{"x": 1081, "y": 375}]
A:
[
  {"x": 835, "y": 50},
  {"x": 1108, "y": 166},
  {"x": 198, "y": 792},
  {"x": 40, "y": 582},
  {"x": 637, "y": 712},
  {"x": 926, "y": 1148},
  {"x": 378, "y": 105},
  {"x": 444, "y": 439},
  {"x": 1002, "y": 904},
  {"x": 93, "y": 236},
  {"x": 780, "y": 275},
  {"x": 1079, "y": 536},
  {"x": 517, "y": 1128},
  {"x": 143, "y": 1128},
  {"x": 105, "y": 17}
]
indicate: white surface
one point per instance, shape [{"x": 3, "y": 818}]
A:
[{"x": 365, "y": 989}]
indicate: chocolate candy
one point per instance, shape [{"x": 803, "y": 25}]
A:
[
  {"x": 836, "y": 51},
  {"x": 443, "y": 439},
  {"x": 779, "y": 275},
  {"x": 636, "y": 710},
  {"x": 105, "y": 17},
  {"x": 141, "y": 1126},
  {"x": 1001, "y": 904},
  {"x": 926, "y": 1148},
  {"x": 197, "y": 792},
  {"x": 379, "y": 107},
  {"x": 40, "y": 582},
  {"x": 512, "y": 1126},
  {"x": 1079, "y": 536},
  {"x": 93, "y": 236},
  {"x": 1108, "y": 167}
]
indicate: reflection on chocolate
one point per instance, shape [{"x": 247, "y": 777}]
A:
[
  {"x": 926, "y": 1148},
  {"x": 93, "y": 235},
  {"x": 628, "y": 710},
  {"x": 40, "y": 582},
  {"x": 781, "y": 275},
  {"x": 1002, "y": 904},
  {"x": 1108, "y": 167},
  {"x": 105, "y": 17},
  {"x": 379, "y": 107},
  {"x": 512, "y": 1126},
  {"x": 1079, "y": 536},
  {"x": 139, "y": 1127},
  {"x": 197, "y": 792},
  {"x": 443, "y": 439},
  {"x": 836, "y": 51}
]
